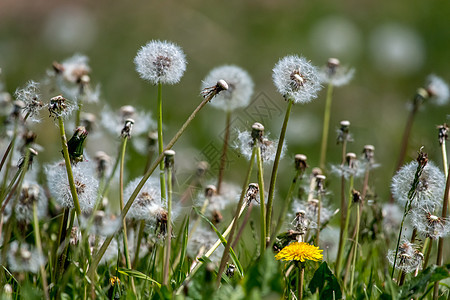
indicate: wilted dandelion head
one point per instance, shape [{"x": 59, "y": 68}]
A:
[
  {"x": 240, "y": 87},
  {"x": 429, "y": 224},
  {"x": 296, "y": 79},
  {"x": 437, "y": 89},
  {"x": 300, "y": 252},
  {"x": 30, "y": 96},
  {"x": 86, "y": 184},
  {"x": 60, "y": 107},
  {"x": 430, "y": 189},
  {"x": 335, "y": 74},
  {"x": 409, "y": 258},
  {"x": 114, "y": 122},
  {"x": 23, "y": 258},
  {"x": 73, "y": 68},
  {"x": 245, "y": 143},
  {"x": 160, "y": 62}
]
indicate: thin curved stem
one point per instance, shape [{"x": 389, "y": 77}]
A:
[
  {"x": 223, "y": 157},
  {"x": 326, "y": 126},
  {"x": 162, "y": 175},
  {"x": 169, "y": 228},
  {"x": 276, "y": 162},
  {"x": 261, "y": 198}
]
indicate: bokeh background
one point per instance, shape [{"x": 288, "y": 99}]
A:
[{"x": 393, "y": 46}]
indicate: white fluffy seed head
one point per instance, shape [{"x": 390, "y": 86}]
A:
[
  {"x": 296, "y": 79},
  {"x": 430, "y": 190},
  {"x": 438, "y": 90},
  {"x": 147, "y": 204},
  {"x": 86, "y": 184},
  {"x": 239, "y": 87},
  {"x": 244, "y": 144},
  {"x": 335, "y": 74},
  {"x": 160, "y": 62},
  {"x": 409, "y": 258},
  {"x": 23, "y": 258}
]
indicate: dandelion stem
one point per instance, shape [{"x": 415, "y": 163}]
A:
[
  {"x": 300, "y": 279},
  {"x": 162, "y": 175},
  {"x": 343, "y": 216},
  {"x": 96, "y": 259},
  {"x": 37, "y": 237},
  {"x": 8, "y": 189},
  {"x": 11, "y": 144},
  {"x": 326, "y": 126},
  {"x": 223, "y": 157},
  {"x": 240, "y": 208},
  {"x": 73, "y": 189},
  {"x": 78, "y": 113},
  {"x": 273, "y": 178},
  {"x": 286, "y": 204},
  {"x": 355, "y": 251},
  {"x": 426, "y": 250},
  {"x": 439, "y": 259},
  {"x": 261, "y": 197},
  {"x": 444, "y": 158},
  {"x": 319, "y": 204},
  {"x": 8, "y": 164},
  {"x": 124, "y": 223},
  {"x": 169, "y": 227},
  {"x": 345, "y": 229}
]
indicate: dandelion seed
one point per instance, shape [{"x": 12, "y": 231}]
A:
[
  {"x": 296, "y": 79},
  {"x": 300, "y": 252},
  {"x": 430, "y": 190},
  {"x": 336, "y": 74},
  {"x": 239, "y": 87},
  {"x": 428, "y": 224},
  {"x": 160, "y": 62}
]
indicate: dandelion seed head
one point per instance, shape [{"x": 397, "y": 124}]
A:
[
  {"x": 201, "y": 241},
  {"x": 86, "y": 184},
  {"x": 23, "y": 258},
  {"x": 147, "y": 204},
  {"x": 244, "y": 143},
  {"x": 113, "y": 122},
  {"x": 160, "y": 62},
  {"x": 335, "y": 74},
  {"x": 31, "y": 193},
  {"x": 30, "y": 96},
  {"x": 430, "y": 190},
  {"x": 438, "y": 89},
  {"x": 296, "y": 79},
  {"x": 73, "y": 68},
  {"x": 430, "y": 225},
  {"x": 309, "y": 210},
  {"x": 392, "y": 216},
  {"x": 239, "y": 87},
  {"x": 409, "y": 258}
]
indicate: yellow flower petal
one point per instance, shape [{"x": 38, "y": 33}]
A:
[{"x": 300, "y": 252}]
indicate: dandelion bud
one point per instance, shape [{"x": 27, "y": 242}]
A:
[
  {"x": 316, "y": 171},
  {"x": 210, "y": 191},
  {"x": 169, "y": 158},
  {"x": 443, "y": 133},
  {"x": 343, "y": 132},
  {"x": 103, "y": 161},
  {"x": 202, "y": 168},
  {"x": 126, "y": 130},
  {"x": 320, "y": 179},
  {"x": 332, "y": 64},
  {"x": 252, "y": 192},
  {"x": 300, "y": 162},
  {"x": 257, "y": 131},
  {"x": 75, "y": 144},
  {"x": 368, "y": 153}
]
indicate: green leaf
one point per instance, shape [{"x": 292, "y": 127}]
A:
[
  {"x": 264, "y": 277},
  {"x": 224, "y": 242},
  {"x": 325, "y": 281},
  {"x": 180, "y": 268},
  {"x": 417, "y": 285},
  {"x": 137, "y": 274}
]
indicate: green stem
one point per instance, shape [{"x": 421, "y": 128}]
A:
[
  {"x": 275, "y": 170},
  {"x": 37, "y": 237},
  {"x": 319, "y": 204},
  {"x": 8, "y": 163},
  {"x": 101, "y": 252},
  {"x": 300, "y": 279},
  {"x": 223, "y": 157},
  {"x": 73, "y": 189},
  {"x": 138, "y": 244},
  {"x": 426, "y": 250},
  {"x": 8, "y": 189},
  {"x": 162, "y": 175},
  {"x": 239, "y": 210},
  {"x": 286, "y": 204},
  {"x": 261, "y": 198},
  {"x": 169, "y": 227},
  {"x": 342, "y": 211},
  {"x": 358, "y": 220},
  {"x": 345, "y": 229},
  {"x": 444, "y": 158},
  {"x": 124, "y": 223},
  {"x": 326, "y": 126},
  {"x": 78, "y": 113}
]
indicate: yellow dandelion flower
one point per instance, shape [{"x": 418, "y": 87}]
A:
[
  {"x": 300, "y": 252},
  {"x": 113, "y": 280}
]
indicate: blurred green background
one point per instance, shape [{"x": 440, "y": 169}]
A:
[{"x": 393, "y": 45}]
